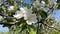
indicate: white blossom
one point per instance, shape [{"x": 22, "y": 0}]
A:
[
  {"x": 42, "y": 3},
  {"x": 18, "y": 14},
  {"x": 29, "y": 22},
  {"x": 36, "y": 3},
  {"x": 11, "y": 8},
  {"x": 28, "y": 16},
  {"x": 1, "y": 18},
  {"x": 25, "y": 10},
  {"x": 31, "y": 19}
]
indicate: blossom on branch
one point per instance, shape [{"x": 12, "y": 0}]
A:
[
  {"x": 18, "y": 14},
  {"x": 27, "y": 14},
  {"x": 11, "y": 8}
]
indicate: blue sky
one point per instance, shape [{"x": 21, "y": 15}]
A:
[
  {"x": 3, "y": 29},
  {"x": 56, "y": 15},
  {"x": 27, "y": 1}
]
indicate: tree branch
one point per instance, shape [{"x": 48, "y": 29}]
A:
[
  {"x": 8, "y": 23},
  {"x": 51, "y": 27},
  {"x": 45, "y": 21}
]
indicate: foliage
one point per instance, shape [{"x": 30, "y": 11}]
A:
[{"x": 23, "y": 18}]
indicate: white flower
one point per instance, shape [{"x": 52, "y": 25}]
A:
[
  {"x": 25, "y": 10},
  {"x": 31, "y": 19},
  {"x": 28, "y": 16},
  {"x": 11, "y": 8},
  {"x": 1, "y": 18},
  {"x": 18, "y": 15},
  {"x": 42, "y": 3},
  {"x": 36, "y": 3}
]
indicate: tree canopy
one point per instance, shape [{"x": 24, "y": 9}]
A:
[{"x": 33, "y": 17}]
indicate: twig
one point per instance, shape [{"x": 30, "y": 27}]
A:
[
  {"x": 45, "y": 21},
  {"x": 8, "y": 23},
  {"x": 51, "y": 27}
]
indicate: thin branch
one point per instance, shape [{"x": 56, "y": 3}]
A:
[
  {"x": 51, "y": 27},
  {"x": 8, "y": 23},
  {"x": 38, "y": 24},
  {"x": 45, "y": 21}
]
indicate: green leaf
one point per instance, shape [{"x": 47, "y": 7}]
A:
[
  {"x": 23, "y": 27},
  {"x": 43, "y": 14},
  {"x": 15, "y": 7},
  {"x": 32, "y": 31},
  {"x": 20, "y": 21},
  {"x": 11, "y": 13},
  {"x": 58, "y": 6},
  {"x": 58, "y": 3},
  {"x": 10, "y": 20}
]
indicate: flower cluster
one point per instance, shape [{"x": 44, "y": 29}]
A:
[
  {"x": 11, "y": 8},
  {"x": 27, "y": 14},
  {"x": 38, "y": 4}
]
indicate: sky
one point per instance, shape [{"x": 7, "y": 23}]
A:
[
  {"x": 3, "y": 29},
  {"x": 56, "y": 15}
]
